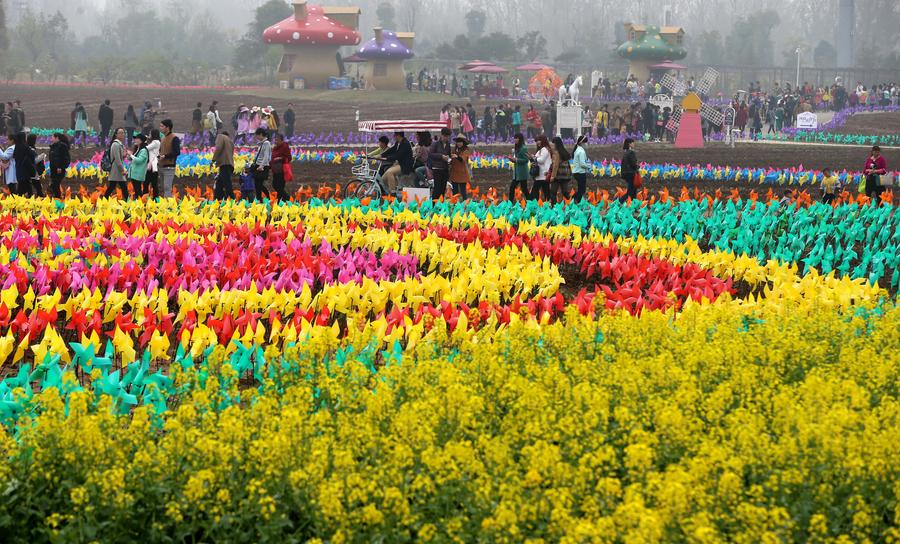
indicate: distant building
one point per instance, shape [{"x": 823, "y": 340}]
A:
[{"x": 648, "y": 45}]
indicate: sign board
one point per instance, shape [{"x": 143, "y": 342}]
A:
[
  {"x": 596, "y": 76},
  {"x": 569, "y": 117},
  {"x": 663, "y": 101},
  {"x": 729, "y": 116},
  {"x": 808, "y": 121}
]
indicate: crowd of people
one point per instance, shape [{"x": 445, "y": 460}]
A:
[{"x": 140, "y": 154}]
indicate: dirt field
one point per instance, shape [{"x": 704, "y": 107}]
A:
[
  {"x": 316, "y": 111},
  {"x": 878, "y": 124}
]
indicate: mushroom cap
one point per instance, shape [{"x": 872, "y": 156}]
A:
[
  {"x": 315, "y": 29},
  {"x": 651, "y": 46},
  {"x": 389, "y": 48}
]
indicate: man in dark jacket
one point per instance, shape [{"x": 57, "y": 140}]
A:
[
  {"x": 59, "y": 163},
  {"x": 439, "y": 154},
  {"x": 401, "y": 153},
  {"x": 105, "y": 117},
  {"x": 289, "y": 119}
]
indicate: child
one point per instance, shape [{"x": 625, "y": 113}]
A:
[{"x": 830, "y": 186}]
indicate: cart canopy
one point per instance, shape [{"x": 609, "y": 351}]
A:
[{"x": 401, "y": 126}]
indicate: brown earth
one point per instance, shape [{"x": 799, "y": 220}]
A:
[{"x": 877, "y": 124}]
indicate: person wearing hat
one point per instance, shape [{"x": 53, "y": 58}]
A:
[
  {"x": 140, "y": 161},
  {"x": 459, "y": 167},
  {"x": 401, "y": 154}
]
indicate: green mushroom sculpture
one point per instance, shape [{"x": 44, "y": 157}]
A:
[{"x": 649, "y": 45}]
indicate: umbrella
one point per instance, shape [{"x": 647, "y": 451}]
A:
[
  {"x": 474, "y": 63},
  {"x": 488, "y": 69},
  {"x": 533, "y": 66},
  {"x": 667, "y": 65}
]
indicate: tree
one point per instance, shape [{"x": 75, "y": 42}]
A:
[
  {"x": 386, "y": 15},
  {"x": 710, "y": 49},
  {"x": 475, "y": 23},
  {"x": 750, "y": 41},
  {"x": 569, "y": 56},
  {"x": 251, "y": 49},
  {"x": 496, "y": 46},
  {"x": 825, "y": 55},
  {"x": 532, "y": 45},
  {"x": 4, "y": 37}
]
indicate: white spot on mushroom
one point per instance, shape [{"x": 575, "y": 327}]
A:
[
  {"x": 296, "y": 35},
  {"x": 278, "y": 31},
  {"x": 331, "y": 34},
  {"x": 393, "y": 45}
]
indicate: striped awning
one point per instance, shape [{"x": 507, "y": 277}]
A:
[{"x": 398, "y": 126}]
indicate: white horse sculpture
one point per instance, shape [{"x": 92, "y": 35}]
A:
[
  {"x": 575, "y": 90},
  {"x": 563, "y": 92}
]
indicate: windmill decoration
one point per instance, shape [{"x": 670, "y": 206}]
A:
[{"x": 685, "y": 122}]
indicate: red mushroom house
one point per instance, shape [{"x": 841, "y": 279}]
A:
[{"x": 311, "y": 40}]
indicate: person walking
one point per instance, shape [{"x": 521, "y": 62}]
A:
[
  {"x": 131, "y": 123},
  {"x": 8, "y": 156},
  {"x": 581, "y": 166},
  {"x": 40, "y": 166},
  {"x": 520, "y": 170},
  {"x": 140, "y": 161},
  {"x": 148, "y": 118},
  {"x": 24, "y": 157},
  {"x": 197, "y": 120},
  {"x": 60, "y": 159},
  {"x": 223, "y": 157},
  {"x": 289, "y": 118},
  {"x": 830, "y": 186},
  {"x": 262, "y": 163},
  {"x": 421, "y": 153},
  {"x": 544, "y": 159},
  {"x": 516, "y": 120},
  {"x": 629, "y": 169},
  {"x": 281, "y": 162},
  {"x": 80, "y": 124},
  {"x": 17, "y": 118},
  {"x": 152, "y": 179},
  {"x": 117, "y": 174},
  {"x": 169, "y": 150},
  {"x": 876, "y": 166},
  {"x": 561, "y": 172},
  {"x": 459, "y": 167},
  {"x": 533, "y": 123},
  {"x": 105, "y": 117},
  {"x": 210, "y": 122},
  {"x": 440, "y": 163}
]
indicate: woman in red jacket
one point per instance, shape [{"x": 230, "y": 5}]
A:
[
  {"x": 281, "y": 161},
  {"x": 876, "y": 167}
]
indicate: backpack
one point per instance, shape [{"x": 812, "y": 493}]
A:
[{"x": 106, "y": 161}]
